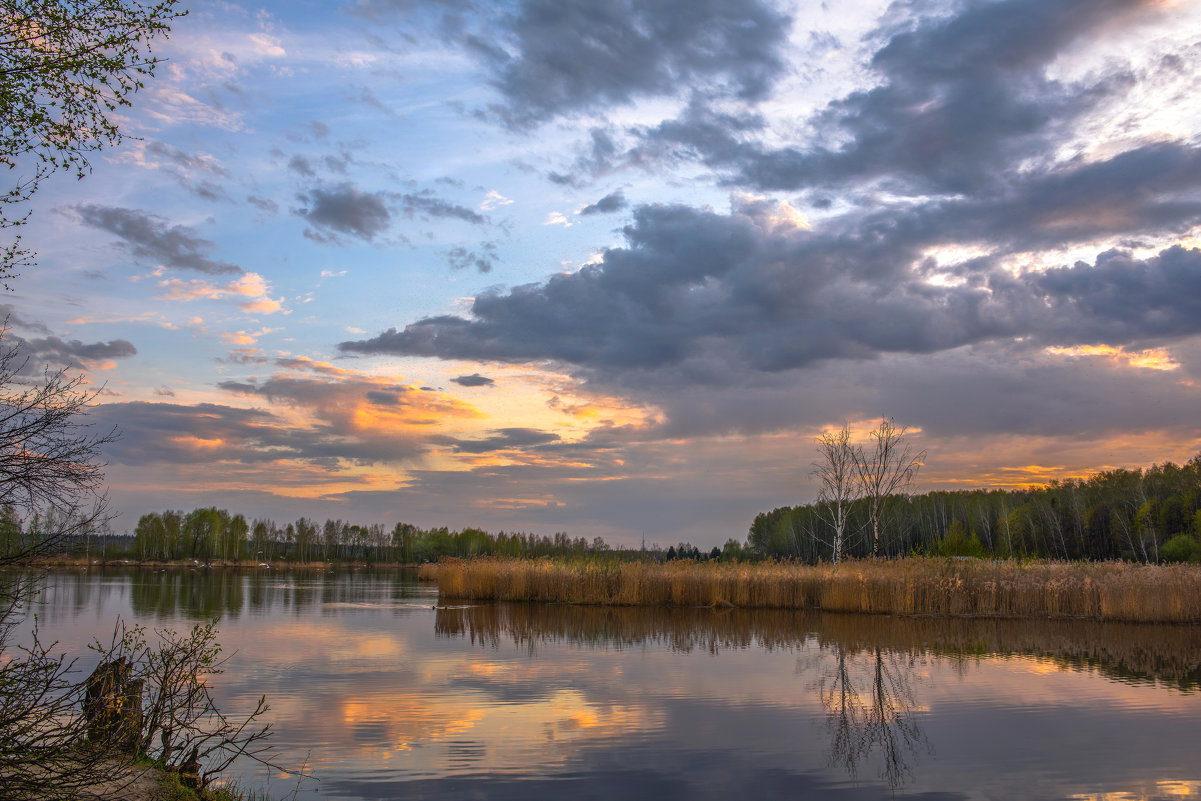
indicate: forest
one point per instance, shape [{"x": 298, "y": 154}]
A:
[{"x": 1150, "y": 516}]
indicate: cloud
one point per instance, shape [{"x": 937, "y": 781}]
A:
[
  {"x": 557, "y": 218},
  {"x": 263, "y": 204},
  {"x": 482, "y": 259},
  {"x": 244, "y": 356},
  {"x": 147, "y": 236},
  {"x": 473, "y": 380},
  {"x": 426, "y": 204},
  {"x": 302, "y": 166},
  {"x": 251, "y": 287},
  {"x": 314, "y": 414},
  {"x": 351, "y": 416},
  {"x": 167, "y": 432},
  {"x": 614, "y": 201},
  {"x": 206, "y": 190},
  {"x": 56, "y": 351},
  {"x": 246, "y": 338},
  {"x": 712, "y": 295},
  {"x": 198, "y": 163},
  {"x": 507, "y": 439},
  {"x": 345, "y": 209},
  {"x": 964, "y": 100},
  {"x": 494, "y": 200},
  {"x": 10, "y": 317},
  {"x": 571, "y": 56}
]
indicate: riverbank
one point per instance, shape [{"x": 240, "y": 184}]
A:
[{"x": 1118, "y": 591}]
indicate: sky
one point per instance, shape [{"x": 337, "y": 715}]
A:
[{"x": 609, "y": 266}]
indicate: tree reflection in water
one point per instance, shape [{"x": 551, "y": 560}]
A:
[{"x": 870, "y": 707}]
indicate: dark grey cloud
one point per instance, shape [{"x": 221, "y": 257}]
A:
[
  {"x": 149, "y": 237},
  {"x": 560, "y": 57},
  {"x": 473, "y": 380},
  {"x": 384, "y": 397},
  {"x": 601, "y": 155},
  {"x": 483, "y": 258},
  {"x": 219, "y": 433},
  {"x": 301, "y": 165},
  {"x": 53, "y": 351},
  {"x": 963, "y": 99},
  {"x": 345, "y": 209},
  {"x": 614, "y": 201},
  {"x": 150, "y": 433},
  {"x": 60, "y": 350},
  {"x": 710, "y": 295},
  {"x": 427, "y": 204},
  {"x": 506, "y": 439},
  {"x": 10, "y": 317}
]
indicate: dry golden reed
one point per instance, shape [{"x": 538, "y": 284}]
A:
[{"x": 910, "y": 586}]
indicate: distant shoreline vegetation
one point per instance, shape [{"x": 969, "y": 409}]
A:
[{"x": 1151, "y": 516}]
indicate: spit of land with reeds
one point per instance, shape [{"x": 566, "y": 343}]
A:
[{"x": 1119, "y": 591}]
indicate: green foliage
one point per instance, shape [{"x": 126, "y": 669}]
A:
[
  {"x": 959, "y": 542},
  {"x": 1117, "y": 514},
  {"x": 1181, "y": 548},
  {"x": 68, "y": 68}
]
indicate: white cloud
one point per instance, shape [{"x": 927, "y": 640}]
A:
[{"x": 494, "y": 199}]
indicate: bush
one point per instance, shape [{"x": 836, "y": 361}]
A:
[{"x": 1181, "y": 548}]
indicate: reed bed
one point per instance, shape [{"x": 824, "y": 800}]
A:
[{"x": 1111, "y": 591}]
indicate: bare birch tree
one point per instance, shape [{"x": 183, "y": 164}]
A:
[
  {"x": 886, "y": 471},
  {"x": 835, "y": 471}
]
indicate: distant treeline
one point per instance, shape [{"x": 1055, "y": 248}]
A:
[
  {"x": 1151, "y": 515},
  {"x": 212, "y": 534}
]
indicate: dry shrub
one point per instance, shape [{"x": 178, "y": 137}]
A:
[{"x": 912, "y": 586}]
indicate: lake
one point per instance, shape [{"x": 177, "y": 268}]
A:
[{"x": 385, "y": 696}]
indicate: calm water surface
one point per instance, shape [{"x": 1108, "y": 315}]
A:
[{"x": 388, "y": 697}]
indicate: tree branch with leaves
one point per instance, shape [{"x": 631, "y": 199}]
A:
[{"x": 66, "y": 69}]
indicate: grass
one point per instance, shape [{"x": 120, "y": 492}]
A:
[{"x": 1111, "y": 591}]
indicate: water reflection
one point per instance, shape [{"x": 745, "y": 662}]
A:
[
  {"x": 872, "y": 713},
  {"x": 388, "y": 697},
  {"x": 1126, "y": 652}
]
